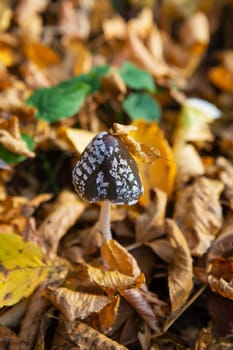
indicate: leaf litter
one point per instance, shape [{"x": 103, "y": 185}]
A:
[{"x": 158, "y": 75}]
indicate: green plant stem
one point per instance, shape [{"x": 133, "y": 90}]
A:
[{"x": 104, "y": 220}]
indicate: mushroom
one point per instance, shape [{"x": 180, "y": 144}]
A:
[{"x": 106, "y": 172}]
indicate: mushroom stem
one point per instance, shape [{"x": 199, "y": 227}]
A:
[{"x": 104, "y": 221}]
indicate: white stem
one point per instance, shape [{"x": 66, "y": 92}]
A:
[{"x": 104, "y": 221}]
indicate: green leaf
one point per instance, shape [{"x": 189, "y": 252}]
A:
[
  {"x": 136, "y": 78},
  {"x": 60, "y": 101},
  {"x": 142, "y": 106},
  {"x": 66, "y": 99},
  {"x": 10, "y": 157},
  {"x": 22, "y": 268}
]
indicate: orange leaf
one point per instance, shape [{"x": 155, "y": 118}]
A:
[
  {"x": 116, "y": 257},
  {"x": 41, "y": 55}
]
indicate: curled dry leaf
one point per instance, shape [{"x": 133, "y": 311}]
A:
[
  {"x": 108, "y": 314},
  {"x": 220, "y": 286},
  {"x": 181, "y": 271},
  {"x": 150, "y": 224},
  {"x": 115, "y": 257},
  {"x": 113, "y": 85},
  {"x": 160, "y": 174},
  {"x": 137, "y": 300},
  {"x": 225, "y": 170},
  {"x": 75, "y": 304},
  {"x": 199, "y": 214},
  {"x": 139, "y": 150},
  {"x": 63, "y": 215},
  {"x": 31, "y": 322},
  {"x": 195, "y": 30},
  {"x": 113, "y": 280},
  {"x": 86, "y": 337}
]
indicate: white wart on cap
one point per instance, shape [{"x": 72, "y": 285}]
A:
[{"x": 107, "y": 172}]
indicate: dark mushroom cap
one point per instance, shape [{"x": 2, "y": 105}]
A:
[{"x": 106, "y": 171}]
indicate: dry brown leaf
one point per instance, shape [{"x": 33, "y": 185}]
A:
[
  {"x": 220, "y": 286},
  {"x": 150, "y": 224},
  {"x": 108, "y": 314},
  {"x": 30, "y": 324},
  {"x": 75, "y": 304},
  {"x": 160, "y": 174},
  {"x": 64, "y": 214},
  {"x": 15, "y": 143},
  {"x": 181, "y": 272},
  {"x": 86, "y": 337},
  {"x": 221, "y": 77},
  {"x": 8, "y": 339},
  {"x": 195, "y": 30},
  {"x": 73, "y": 20},
  {"x": 137, "y": 300},
  {"x": 143, "y": 23},
  {"x": 113, "y": 280},
  {"x": 225, "y": 175},
  {"x": 116, "y": 257},
  {"x": 139, "y": 150},
  {"x": 199, "y": 214},
  {"x": 114, "y": 28},
  {"x": 204, "y": 339},
  {"x": 163, "y": 249},
  {"x": 113, "y": 85}
]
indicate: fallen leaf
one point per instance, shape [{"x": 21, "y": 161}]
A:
[
  {"x": 6, "y": 15},
  {"x": 116, "y": 258},
  {"x": 199, "y": 214},
  {"x": 8, "y": 339},
  {"x": 113, "y": 280},
  {"x": 108, "y": 314},
  {"x": 195, "y": 30},
  {"x": 79, "y": 138},
  {"x": 86, "y": 337},
  {"x": 114, "y": 28},
  {"x": 41, "y": 55},
  {"x": 220, "y": 286},
  {"x": 64, "y": 214},
  {"x": 75, "y": 304},
  {"x": 180, "y": 272},
  {"x": 137, "y": 300},
  {"x": 163, "y": 249},
  {"x": 204, "y": 339},
  {"x": 221, "y": 77},
  {"x": 22, "y": 268},
  {"x": 150, "y": 224},
  {"x": 160, "y": 174}
]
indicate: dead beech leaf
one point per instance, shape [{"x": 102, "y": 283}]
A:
[
  {"x": 221, "y": 77},
  {"x": 108, "y": 314},
  {"x": 41, "y": 55},
  {"x": 113, "y": 85},
  {"x": 137, "y": 300},
  {"x": 86, "y": 337},
  {"x": 195, "y": 30},
  {"x": 116, "y": 257},
  {"x": 163, "y": 249},
  {"x": 14, "y": 145},
  {"x": 225, "y": 174},
  {"x": 114, "y": 28},
  {"x": 8, "y": 339},
  {"x": 78, "y": 137},
  {"x": 150, "y": 224},
  {"x": 141, "y": 151},
  {"x": 180, "y": 273},
  {"x": 64, "y": 214},
  {"x": 114, "y": 280},
  {"x": 199, "y": 214},
  {"x": 220, "y": 286},
  {"x": 160, "y": 174},
  {"x": 75, "y": 304},
  {"x": 188, "y": 160}
]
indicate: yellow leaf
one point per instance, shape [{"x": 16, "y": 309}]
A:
[
  {"x": 21, "y": 270},
  {"x": 161, "y": 173}
]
